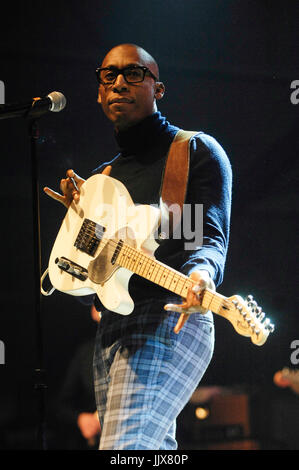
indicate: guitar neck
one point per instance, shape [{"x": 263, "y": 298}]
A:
[{"x": 149, "y": 268}]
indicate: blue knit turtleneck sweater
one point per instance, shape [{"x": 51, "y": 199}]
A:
[{"x": 139, "y": 166}]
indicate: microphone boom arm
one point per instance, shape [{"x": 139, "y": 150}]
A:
[{"x": 35, "y": 108}]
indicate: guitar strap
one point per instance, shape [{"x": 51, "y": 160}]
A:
[{"x": 174, "y": 183}]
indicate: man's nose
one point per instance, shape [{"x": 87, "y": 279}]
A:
[{"x": 120, "y": 83}]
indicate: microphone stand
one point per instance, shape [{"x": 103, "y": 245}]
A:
[
  {"x": 32, "y": 111},
  {"x": 39, "y": 386}
]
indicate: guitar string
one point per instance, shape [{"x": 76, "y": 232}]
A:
[
  {"x": 154, "y": 272},
  {"x": 127, "y": 251},
  {"x": 90, "y": 230},
  {"x": 215, "y": 301}
]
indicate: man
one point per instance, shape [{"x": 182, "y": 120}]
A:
[{"x": 147, "y": 364}]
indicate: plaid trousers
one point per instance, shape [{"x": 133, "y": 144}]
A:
[{"x": 144, "y": 374}]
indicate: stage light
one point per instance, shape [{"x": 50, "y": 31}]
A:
[{"x": 202, "y": 413}]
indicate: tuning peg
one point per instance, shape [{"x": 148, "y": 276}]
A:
[
  {"x": 249, "y": 298},
  {"x": 241, "y": 311},
  {"x": 258, "y": 311},
  {"x": 261, "y": 316},
  {"x": 270, "y": 327},
  {"x": 235, "y": 302}
]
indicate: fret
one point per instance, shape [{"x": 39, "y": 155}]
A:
[
  {"x": 184, "y": 288},
  {"x": 142, "y": 266},
  {"x": 155, "y": 273},
  {"x": 175, "y": 282},
  {"x": 148, "y": 267},
  {"x": 131, "y": 258},
  {"x": 168, "y": 281},
  {"x": 163, "y": 277},
  {"x": 139, "y": 263},
  {"x": 151, "y": 269},
  {"x": 164, "y": 281},
  {"x": 125, "y": 257},
  {"x": 213, "y": 301}
]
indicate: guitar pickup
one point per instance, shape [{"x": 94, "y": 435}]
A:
[
  {"x": 72, "y": 268},
  {"x": 116, "y": 251},
  {"x": 89, "y": 237}
]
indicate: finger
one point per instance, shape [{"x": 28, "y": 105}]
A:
[
  {"x": 196, "y": 289},
  {"x": 64, "y": 186},
  {"x": 76, "y": 196},
  {"x": 184, "y": 308},
  {"x": 69, "y": 188},
  {"x": 173, "y": 308},
  {"x": 180, "y": 307},
  {"x": 54, "y": 195},
  {"x": 183, "y": 317},
  {"x": 72, "y": 180},
  {"x": 75, "y": 179},
  {"x": 181, "y": 321},
  {"x": 107, "y": 170}
]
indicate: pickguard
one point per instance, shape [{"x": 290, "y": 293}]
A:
[{"x": 101, "y": 268}]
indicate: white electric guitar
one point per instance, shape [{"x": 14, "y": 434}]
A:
[{"x": 105, "y": 238}]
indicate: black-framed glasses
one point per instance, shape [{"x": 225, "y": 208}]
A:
[{"x": 131, "y": 73}]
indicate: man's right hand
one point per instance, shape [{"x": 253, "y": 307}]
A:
[{"x": 70, "y": 188}]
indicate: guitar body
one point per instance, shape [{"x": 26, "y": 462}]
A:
[{"x": 81, "y": 261}]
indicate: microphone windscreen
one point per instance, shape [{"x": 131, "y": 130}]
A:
[{"x": 58, "y": 101}]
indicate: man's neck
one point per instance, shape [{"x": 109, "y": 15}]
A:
[{"x": 124, "y": 126}]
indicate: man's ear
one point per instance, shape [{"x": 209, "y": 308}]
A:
[
  {"x": 99, "y": 100},
  {"x": 160, "y": 90}
]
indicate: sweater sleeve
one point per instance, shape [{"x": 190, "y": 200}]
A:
[{"x": 210, "y": 184}]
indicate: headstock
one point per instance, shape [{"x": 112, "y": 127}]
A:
[{"x": 248, "y": 319}]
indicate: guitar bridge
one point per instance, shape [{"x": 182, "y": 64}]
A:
[
  {"x": 72, "y": 268},
  {"x": 89, "y": 237}
]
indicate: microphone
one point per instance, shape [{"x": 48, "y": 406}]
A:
[{"x": 54, "y": 102}]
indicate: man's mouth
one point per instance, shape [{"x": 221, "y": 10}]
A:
[{"x": 120, "y": 100}]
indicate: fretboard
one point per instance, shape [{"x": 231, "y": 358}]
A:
[{"x": 149, "y": 268}]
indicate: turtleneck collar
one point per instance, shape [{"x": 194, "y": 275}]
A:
[{"x": 144, "y": 134}]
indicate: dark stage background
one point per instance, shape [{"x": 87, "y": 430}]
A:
[{"x": 228, "y": 68}]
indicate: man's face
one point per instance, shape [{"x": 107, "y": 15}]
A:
[{"x": 125, "y": 104}]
